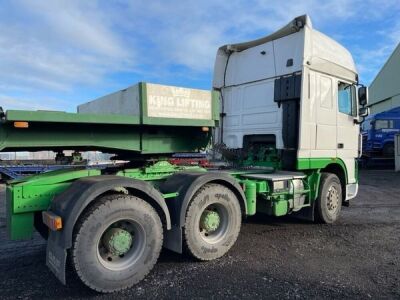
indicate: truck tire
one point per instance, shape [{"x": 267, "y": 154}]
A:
[
  {"x": 329, "y": 202},
  {"x": 116, "y": 243},
  {"x": 388, "y": 150},
  {"x": 212, "y": 223}
]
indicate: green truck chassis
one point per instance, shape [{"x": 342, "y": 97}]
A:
[{"x": 32, "y": 195}]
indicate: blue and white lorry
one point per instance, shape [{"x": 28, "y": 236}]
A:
[{"x": 378, "y": 133}]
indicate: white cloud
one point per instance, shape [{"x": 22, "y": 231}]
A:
[
  {"x": 188, "y": 33},
  {"x": 393, "y": 33},
  {"x": 80, "y": 23},
  {"x": 20, "y": 103},
  {"x": 61, "y": 46},
  {"x": 371, "y": 59}
]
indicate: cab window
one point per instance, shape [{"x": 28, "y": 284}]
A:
[
  {"x": 346, "y": 99},
  {"x": 383, "y": 124}
]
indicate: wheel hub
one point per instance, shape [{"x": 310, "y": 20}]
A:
[
  {"x": 210, "y": 220},
  {"x": 333, "y": 199},
  {"x": 117, "y": 241}
]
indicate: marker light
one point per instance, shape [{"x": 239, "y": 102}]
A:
[
  {"x": 51, "y": 220},
  {"x": 21, "y": 124}
]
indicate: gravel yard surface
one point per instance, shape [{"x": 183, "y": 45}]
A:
[{"x": 359, "y": 257}]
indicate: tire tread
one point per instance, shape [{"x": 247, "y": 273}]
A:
[
  {"x": 104, "y": 201},
  {"x": 187, "y": 249},
  {"x": 319, "y": 215}
]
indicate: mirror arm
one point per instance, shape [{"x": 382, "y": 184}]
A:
[{"x": 359, "y": 120}]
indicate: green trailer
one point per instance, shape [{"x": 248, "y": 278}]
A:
[{"x": 267, "y": 124}]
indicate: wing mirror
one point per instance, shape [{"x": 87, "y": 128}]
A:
[
  {"x": 363, "y": 111},
  {"x": 363, "y": 95}
]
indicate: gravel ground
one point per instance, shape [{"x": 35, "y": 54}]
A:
[{"x": 358, "y": 257}]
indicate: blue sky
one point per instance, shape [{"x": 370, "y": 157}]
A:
[{"x": 57, "y": 54}]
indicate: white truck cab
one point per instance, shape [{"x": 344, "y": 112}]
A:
[{"x": 296, "y": 90}]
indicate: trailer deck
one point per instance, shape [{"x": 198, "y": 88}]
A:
[{"x": 120, "y": 134}]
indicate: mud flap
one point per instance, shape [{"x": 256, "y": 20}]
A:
[
  {"x": 173, "y": 239},
  {"x": 306, "y": 213},
  {"x": 56, "y": 257}
]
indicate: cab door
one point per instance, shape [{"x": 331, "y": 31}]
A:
[
  {"x": 325, "y": 140},
  {"x": 347, "y": 129}
]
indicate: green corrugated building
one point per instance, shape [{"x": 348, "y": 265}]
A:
[{"x": 384, "y": 91}]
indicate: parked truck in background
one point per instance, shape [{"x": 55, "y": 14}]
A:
[
  {"x": 378, "y": 132},
  {"x": 283, "y": 115}
]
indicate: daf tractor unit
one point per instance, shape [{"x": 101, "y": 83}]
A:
[{"x": 283, "y": 116}]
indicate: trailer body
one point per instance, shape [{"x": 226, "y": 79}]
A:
[
  {"x": 284, "y": 113},
  {"x": 142, "y": 120}
]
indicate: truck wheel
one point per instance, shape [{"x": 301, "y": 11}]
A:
[
  {"x": 329, "y": 201},
  {"x": 212, "y": 222},
  {"x": 116, "y": 243},
  {"x": 388, "y": 150}
]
